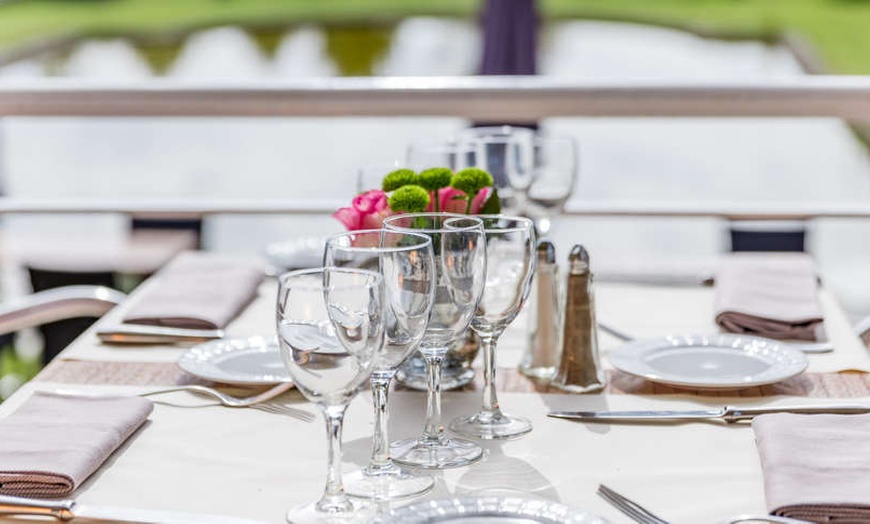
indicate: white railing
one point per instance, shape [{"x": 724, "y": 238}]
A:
[{"x": 510, "y": 99}]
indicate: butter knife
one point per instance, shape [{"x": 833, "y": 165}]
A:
[
  {"x": 727, "y": 413},
  {"x": 66, "y": 510},
  {"x": 142, "y": 334}
]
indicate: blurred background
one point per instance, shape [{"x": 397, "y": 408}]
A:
[{"x": 226, "y": 42}]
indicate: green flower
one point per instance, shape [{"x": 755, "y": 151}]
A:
[
  {"x": 435, "y": 178},
  {"x": 409, "y": 199},
  {"x": 471, "y": 180},
  {"x": 398, "y": 178}
]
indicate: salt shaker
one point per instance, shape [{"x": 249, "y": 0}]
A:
[
  {"x": 545, "y": 319},
  {"x": 580, "y": 365}
]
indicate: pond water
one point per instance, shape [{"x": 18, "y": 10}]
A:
[{"x": 679, "y": 160}]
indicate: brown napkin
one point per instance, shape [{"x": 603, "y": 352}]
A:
[
  {"x": 816, "y": 467},
  {"x": 197, "y": 291},
  {"x": 772, "y": 295},
  {"x": 52, "y": 443}
]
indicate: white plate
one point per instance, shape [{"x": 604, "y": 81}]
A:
[
  {"x": 243, "y": 361},
  {"x": 489, "y": 509},
  {"x": 298, "y": 253},
  {"x": 720, "y": 361}
]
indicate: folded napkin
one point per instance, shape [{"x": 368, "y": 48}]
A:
[
  {"x": 197, "y": 291},
  {"x": 52, "y": 443},
  {"x": 772, "y": 295},
  {"x": 816, "y": 467}
]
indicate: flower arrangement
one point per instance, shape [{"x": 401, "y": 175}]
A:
[{"x": 468, "y": 191}]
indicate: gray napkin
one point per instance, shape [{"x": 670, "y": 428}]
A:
[
  {"x": 197, "y": 291},
  {"x": 52, "y": 443},
  {"x": 816, "y": 467},
  {"x": 772, "y": 295}
]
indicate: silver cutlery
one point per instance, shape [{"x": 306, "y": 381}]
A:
[
  {"x": 142, "y": 334},
  {"x": 631, "y": 509},
  {"x": 639, "y": 514},
  {"x": 223, "y": 398},
  {"x": 727, "y": 413},
  {"x": 66, "y": 510},
  {"x": 804, "y": 347}
]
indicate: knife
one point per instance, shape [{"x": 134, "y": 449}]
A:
[
  {"x": 143, "y": 334},
  {"x": 727, "y": 413},
  {"x": 66, "y": 510}
]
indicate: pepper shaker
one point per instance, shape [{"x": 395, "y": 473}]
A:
[
  {"x": 545, "y": 320},
  {"x": 579, "y": 367}
]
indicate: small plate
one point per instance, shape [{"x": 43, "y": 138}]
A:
[
  {"x": 489, "y": 509},
  {"x": 243, "y": 361},
  {"x": 721, "y": 361}
]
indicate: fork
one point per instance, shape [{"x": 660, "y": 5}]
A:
[
  {"x": 283, "y": 409},
  {"x": 632, "y": 509},
  {"x": 223, "y": 398}
]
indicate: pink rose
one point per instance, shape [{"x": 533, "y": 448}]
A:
[
  {"x": 450, "y": 204},
  {"x": 367, "y": 211}
]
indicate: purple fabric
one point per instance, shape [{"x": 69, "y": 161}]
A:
[{"x": 510, "y": 32}]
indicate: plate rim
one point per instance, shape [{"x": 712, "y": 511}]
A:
[
  {"x": 190, "y": 361},
  {"x": 632, "y": 351},
  {"x": 484, "y": 507}
]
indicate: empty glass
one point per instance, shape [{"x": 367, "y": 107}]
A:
[
  {"x": 506, "y": 153},
  {"x": 331, "y": 330},
  {"x": 406, "y": 262},
  {"x": 555, "y": 174},
  {"x": 510, "y": 255},
  {"x": 454, "y": 154},
  {"x": 460, "y": 261}
]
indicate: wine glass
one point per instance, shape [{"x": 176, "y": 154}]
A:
[
  {"x": 450, "y": 153},
  {"x": 506, "y": 152},
  {"x": 331, "y": 331},
  {"x": 510, "y": 255},
  {"x": 406, "y": 262},
  {"x": 460, "y": 262},
  {"x": 555, "y": 167}
]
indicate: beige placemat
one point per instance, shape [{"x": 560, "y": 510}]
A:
[{"x": 844, "y": 384}]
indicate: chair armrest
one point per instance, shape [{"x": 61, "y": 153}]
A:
[{"x": 57, "y": 304}]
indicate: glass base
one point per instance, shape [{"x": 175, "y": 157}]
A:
[
  {"x": 390, "y": 484},
  {"x": 486, "y": 426},
  {"x": 440, "y": 454},
  {"x": 360, "y": 512}
]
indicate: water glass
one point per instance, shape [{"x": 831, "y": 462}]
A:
[
  {"x": 330, "y": 326},
  {"x": 510, "y": 255},
  {"x": 449, "y": 153},
  {"x": 406, "y": 262},
  {"x": 555, "y": 175},
  {"x": 507, "y": 154},
  {"x": 460, "y": 261}
]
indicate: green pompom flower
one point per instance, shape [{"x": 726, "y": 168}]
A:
[
  {"x": 471, "y": 180},
  {"x": 435, "y": 178},
  {"x": 398, "y": 178},
  {"x": 409, "y": 199}
]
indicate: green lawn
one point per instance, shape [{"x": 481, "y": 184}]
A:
[{"x": 839, "y": 30}]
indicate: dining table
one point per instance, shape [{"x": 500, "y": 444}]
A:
[{"x": 195, "y": 456}]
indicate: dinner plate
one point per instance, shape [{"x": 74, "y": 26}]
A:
[
  {"x": 489, "y": 509},
  {"x": 243, "y": 361},
  {"x": 297, "y": 253},
  {"x": 720, "y": 361}
]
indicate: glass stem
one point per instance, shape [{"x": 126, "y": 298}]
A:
[
  {"x": 490, "y": 408},
  {"x": 380, "y": 441},
  {"x": 432, "y": 430},
  {"x": 334, "y": 499}
]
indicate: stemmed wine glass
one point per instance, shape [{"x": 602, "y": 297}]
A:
[
  {"x": 510, "y": 255},
  {"x": 331, "y": 330},
  {"x": 460, "y": 262},
  {"x": 406, "y": 262},
  {"x": 555, "y": 174}
]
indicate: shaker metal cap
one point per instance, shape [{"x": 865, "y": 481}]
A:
[
  {"x": 546, "y": 252},
  {"x": 579, "y": 259}
]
